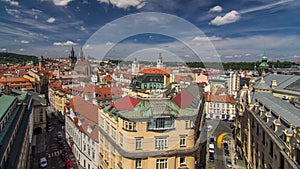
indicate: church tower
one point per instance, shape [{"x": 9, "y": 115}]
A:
[
  {"x": 135, "y": 67},
  {"x": 41, "y": 62},
  {"x": 81, "y": 57},
  {"x": 159, "y": 62},
  {"x": 72, "y": 59}
]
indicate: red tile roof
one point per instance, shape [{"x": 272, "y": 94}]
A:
[
  {"x": 183, "y": 99},
  {"x": 88, "y": 115},
  {"x": 125, "y": 103},
  {"x": 153, "y": 71},
  {"x": 219, "y": 98}
]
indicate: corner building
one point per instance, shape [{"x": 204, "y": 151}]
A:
[
  {"x": 152, "y": 133},
  {"x": 267, "y": 127}
]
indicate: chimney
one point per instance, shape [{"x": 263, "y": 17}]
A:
[
  {"x": 95, "y": 102},
  {"x": 273, "y": 84}
]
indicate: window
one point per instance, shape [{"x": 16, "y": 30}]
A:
[
  {"x": 107, "y": 128},
  {"x": 264, "y": 138},
  {"x": 161, "y": 124},
  {"x": 298, "y": 156},
  {"x": 129, "y": 126},
  {"x": 182, "y": 160},
  {"x": 271, "y": 148},
  {"x": 41, "y": 115},
  {"x": 161, "y": 143},
  {"x": 113, "y": 133},
  {"x": 162, "y": 164},
  {"x": 101, "y": 121},
  {"x": 121, "y": 139},
  {"x": 187, "y": 124},
  {"x": 138, "y": 143},
  {"x": 138, "y": 163},
  {"x": 182, "y": 141}
]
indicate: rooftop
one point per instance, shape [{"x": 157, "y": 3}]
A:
[
  {"x": 153, "y": 71},
  {"x": 285, "y": 110},
  {"x": 6, "y": 102}
]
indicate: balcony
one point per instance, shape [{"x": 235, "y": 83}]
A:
[{"x": 161, "y": 124}]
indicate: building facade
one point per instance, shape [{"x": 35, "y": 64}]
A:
[
  {"x": 267, "y": 127},
  {"x": 219, "y": 107},
  {"x": 151, "y": 133},
  {"x": 82, "y": 131},
  {"x": 15, "y": 130}
]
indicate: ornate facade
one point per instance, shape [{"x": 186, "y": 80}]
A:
[{"x": 267, "y": 127}]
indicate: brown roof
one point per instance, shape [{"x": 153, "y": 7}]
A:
[
  {"x": 87, "y": 114},
  {"x": 153, "y": 71},
  {"x": 219, "y": 98}
]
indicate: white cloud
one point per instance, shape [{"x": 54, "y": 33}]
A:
[
  {"x": 82, "y": 28},
  {"x": 51, "y": 20},
  {"x": 109, "y": 43},
  {"x": 67, "y": 43},
  {"x": 13, "y": 12},
  {"x": 24, "y": 41},
  {"x": 61, "y": 2},
  {"x": 3, "y": 50},
  {"x": 230, "y": 17},
  {"x": 125, "y": 3},
  {"x": 22, "y": 50},
  {"x": 263, "y": 7},
  {"x": 12, "y": 2},
  {"x": 206, "y": 38},
  {"x": 216, "y": 9}
]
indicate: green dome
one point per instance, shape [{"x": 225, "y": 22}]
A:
[{"x": 264, "y": 58}]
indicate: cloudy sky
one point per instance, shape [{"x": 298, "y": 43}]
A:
[{"x": 232, "y": 30}]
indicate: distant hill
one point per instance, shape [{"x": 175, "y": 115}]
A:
[{"x": 14, "y": 58}]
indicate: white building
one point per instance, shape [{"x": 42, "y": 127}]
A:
[
  {"x": 233, "y": 83},
  {"x": 82, "y": 131},
  {"x": 135, "y": 67},
  {"x": 159, "y": 62},
  {"x": 219, "y": 107}
]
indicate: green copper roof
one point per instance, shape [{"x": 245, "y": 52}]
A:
[
  {"x": 148, "y": 109},
  {"x": 5, "y": 102}
]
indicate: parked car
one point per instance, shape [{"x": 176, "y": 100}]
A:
[
  {"x": 228, "y": 163},
  {"x": 211, "y": 157},
  {"x": 43, "y": 162},
  {"x": 68, "y": 164},
  {"x": 211, "y": 148},
  {"x": 226, "y": 152}
]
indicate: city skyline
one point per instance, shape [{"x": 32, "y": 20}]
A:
[{"x": 238, "y": 30}]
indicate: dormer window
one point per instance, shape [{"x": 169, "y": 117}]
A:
[
  {"x": 276, "y": 124},
  {"x": 268, "y": 116},
  {"x": 79, "y": 123},
  {"x": 89, "y": 129},
  {"x": 261, "y": 110},
  {"x": 162, "y": 123},
  {"x": 288, "y": 134},
  {"x": 130, "y": 126}
]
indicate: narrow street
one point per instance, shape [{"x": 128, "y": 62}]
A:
[{"x": 47, "y": 145}]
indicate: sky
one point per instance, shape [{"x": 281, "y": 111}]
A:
[{"x": 182, "y": 30}]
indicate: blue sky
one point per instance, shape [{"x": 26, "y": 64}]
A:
[{"x": 236, "y": 30}]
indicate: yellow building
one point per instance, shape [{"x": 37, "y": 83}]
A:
[
  {"x": 58, "y": 96},
  {"x": 152, "y": 133}
]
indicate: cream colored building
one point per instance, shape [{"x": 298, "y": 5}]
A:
[
  {"x": 152, "y": 133},
  {"x": 82, "y": 132},
  {"x": 267, "y": 127}
]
